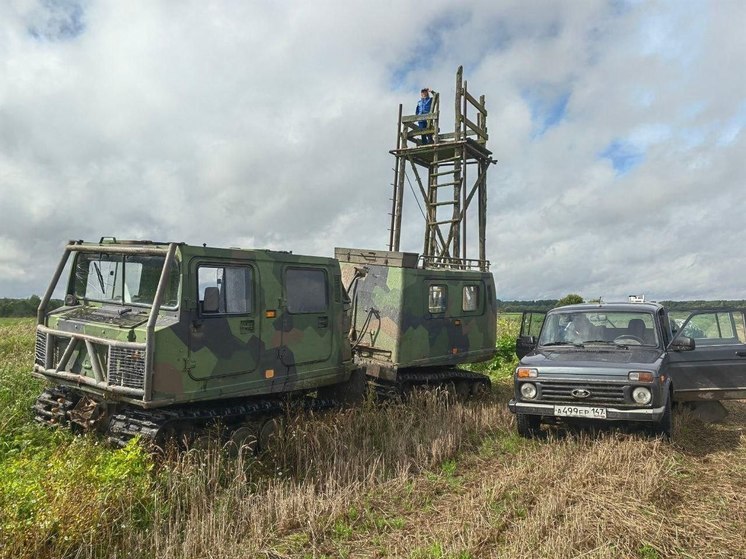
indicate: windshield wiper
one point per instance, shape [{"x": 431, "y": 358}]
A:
[
  {"x": 573, "y": 344},
  {"x": 607, "y": 342},
  {"x": 100, "y": 277}
]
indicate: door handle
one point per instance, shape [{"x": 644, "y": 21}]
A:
[
  {"x": 323, "y": 321},
  {"x": 741, "y": 353}
]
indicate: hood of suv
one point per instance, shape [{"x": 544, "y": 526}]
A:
[{"x": 592, "y": 357}]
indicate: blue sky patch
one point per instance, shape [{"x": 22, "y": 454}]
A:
[
  {"x": 548, "y": 107},
  {"x": 624, "y": 156},
  {"x": 426, "y": 51},
  {"x": 58, "y": 20}
]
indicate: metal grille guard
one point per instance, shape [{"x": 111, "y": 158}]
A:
[{"x": 123, "y": 372}]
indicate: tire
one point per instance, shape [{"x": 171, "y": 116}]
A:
[
  {"x": 528, "y": 425},
  {"x": 664, "y": 427}
]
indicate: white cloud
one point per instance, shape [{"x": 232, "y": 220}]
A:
[{"x": 269, "y": 125}]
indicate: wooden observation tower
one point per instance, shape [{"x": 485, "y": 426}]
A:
[{"x": 440, "y": 171}]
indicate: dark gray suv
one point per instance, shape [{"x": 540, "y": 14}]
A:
[{"x": 625, "y": 362}]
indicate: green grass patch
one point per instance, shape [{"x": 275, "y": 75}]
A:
[
  {"x": 503, "y": 364},
  {"x": 58, "y": 491}
]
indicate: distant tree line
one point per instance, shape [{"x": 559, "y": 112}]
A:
[
  {"x": 700, "y": 304},
  {"x": 520, "y": 306},
  {"x": 540, "y": 305},
  {"x": 24, "y": 307}
]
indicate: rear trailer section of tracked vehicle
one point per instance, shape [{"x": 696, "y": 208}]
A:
[
  {"x": 414, "y": 326},
  {"x": 157, "y": 337}
]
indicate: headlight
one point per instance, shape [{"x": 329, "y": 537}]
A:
[
  {"x": 528, "y": 390},
  {"x": 642, "y": 395}
]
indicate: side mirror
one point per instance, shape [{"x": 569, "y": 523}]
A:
[
  {"x": 524, "y": 345},
  {"x": 682, "y": 343}
]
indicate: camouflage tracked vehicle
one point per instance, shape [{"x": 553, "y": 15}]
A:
[{"x": 156, "y": 338}]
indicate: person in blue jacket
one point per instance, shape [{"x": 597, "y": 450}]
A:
[{"x": 423, "y": 107}]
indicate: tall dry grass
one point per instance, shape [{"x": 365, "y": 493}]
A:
[
  {"x": 435, "y": 479},
  {"x": 287, "y": 501}
]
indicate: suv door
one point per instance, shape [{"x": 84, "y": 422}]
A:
[
  {"x": 531, "y": 323},
  {"x": 716, "y": 368}
]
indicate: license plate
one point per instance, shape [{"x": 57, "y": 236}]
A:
[{"x": 580, "y": 411}]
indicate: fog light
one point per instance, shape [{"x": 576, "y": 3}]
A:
[
  {"x": 641, "y": 395},
  {"x": 528, "y": 391},
  {"x": 524, "y": 372}
]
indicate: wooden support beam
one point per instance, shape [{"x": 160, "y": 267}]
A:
[{"x": 477, "y": 105}]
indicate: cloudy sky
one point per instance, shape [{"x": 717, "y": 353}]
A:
[{"x": 618, "y": 126}]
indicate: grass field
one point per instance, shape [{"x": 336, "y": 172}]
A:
[{"x": 431, "y": 479}]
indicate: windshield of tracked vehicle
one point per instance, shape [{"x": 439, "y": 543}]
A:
[
  {"x": 124, "y": 279},
  {"x": 601, "y": 327}
]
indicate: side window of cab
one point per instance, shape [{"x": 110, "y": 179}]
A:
[
  {"x": 224, "y": 290},
  {"x": 306, "y": 290},
  {"x": 437, "y": 301},
  {"x": 470, "y": 298}
]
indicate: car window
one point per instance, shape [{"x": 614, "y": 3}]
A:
[
  {"x": 531, "y": 323},
  {"x": 578, "y": 327},
  {"x": 716, "y": 328}
]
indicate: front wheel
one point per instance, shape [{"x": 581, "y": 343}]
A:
[
  {"x": 664, "y": 427},
  {"x": 528, "y": 425}
]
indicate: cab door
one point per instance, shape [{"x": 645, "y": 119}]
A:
[
  {"x": 307, "y": 325},
  {"x": 531, "y": 323},
  {"x": 716, "y": 367},
  {"x": 224, "y": 336}
]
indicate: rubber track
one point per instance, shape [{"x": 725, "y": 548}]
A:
[
  {"x": 432, "y": 378},
  {"x": 148, "y": 424},
  {"x": 53, "y": 405}
]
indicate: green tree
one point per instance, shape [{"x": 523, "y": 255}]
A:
[{"x": 570, "y": 299}]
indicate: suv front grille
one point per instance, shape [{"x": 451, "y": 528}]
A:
[{"x": 598, "y": 393}]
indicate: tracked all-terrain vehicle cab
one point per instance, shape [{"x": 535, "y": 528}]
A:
[{"x": 206, "y": 331}]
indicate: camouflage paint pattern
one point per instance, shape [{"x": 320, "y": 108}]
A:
[
  {"x": 200, "y": 356},
  {"x": 403, "y": 332}
]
